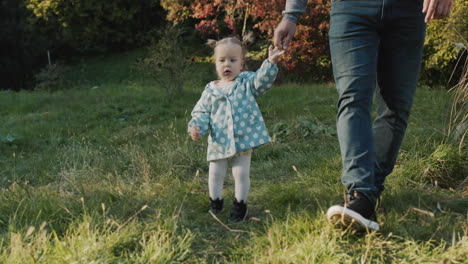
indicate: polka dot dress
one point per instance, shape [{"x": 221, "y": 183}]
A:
[{"x": 233, "y": 117}]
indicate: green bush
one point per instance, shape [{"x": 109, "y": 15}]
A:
[
  {"x": 308, "y": 57},
  {"x": 51, "y": 77},
  {"x": 89, "y": 25},
  {"x": 29, "y": 28},
  {"x": 168, "y": 61},
  {"x": 444, "y": 47}
]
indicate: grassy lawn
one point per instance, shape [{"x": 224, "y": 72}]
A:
[{"x": 103, "y": 172}]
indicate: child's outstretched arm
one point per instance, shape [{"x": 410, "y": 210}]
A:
[
  {"x": 262, "y": 80},
  {"x": 199, "y": 124}
]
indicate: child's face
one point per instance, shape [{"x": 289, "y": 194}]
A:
[{"x": 229, "y": 61}]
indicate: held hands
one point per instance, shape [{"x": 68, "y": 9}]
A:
[
  {"x": 435, "y": 9},
  {"x": 274, "y": 54},
  {"x": 195, "y": 133}
]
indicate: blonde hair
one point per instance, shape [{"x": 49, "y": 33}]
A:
[{"x": 246, "y": 41}]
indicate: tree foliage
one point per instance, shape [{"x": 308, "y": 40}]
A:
[
  {"x": 308, "y": 54},
  {"x": 90, "y": 25},
  {"x": 29, "y": 28}
]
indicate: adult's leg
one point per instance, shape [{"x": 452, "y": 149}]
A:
[
  {"x": 400, "y": 53},
  {"x": 216, "y": 175},
  {"x": 354, "y": 43}
]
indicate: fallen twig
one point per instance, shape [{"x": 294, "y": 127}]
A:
[
  {"x": 181, "y": 166},
  {"x": 225, "y": 226},
  {"x": 424, "y": 212}
]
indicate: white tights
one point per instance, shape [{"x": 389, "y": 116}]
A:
[{"x": 240, "y": 172}]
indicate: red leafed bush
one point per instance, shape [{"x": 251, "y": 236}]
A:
[{"x": 308, "y": 54}]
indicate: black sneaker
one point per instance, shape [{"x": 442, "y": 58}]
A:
[
  {"x": 238, "y": 211},
  {"x": 216, "y": 206},
  {"x": 357, "y": 209}
]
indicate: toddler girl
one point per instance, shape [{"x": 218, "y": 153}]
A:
[{"x": 227, "y": 108}]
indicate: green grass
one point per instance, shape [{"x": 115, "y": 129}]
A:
[{"x": 104, "y": 172}]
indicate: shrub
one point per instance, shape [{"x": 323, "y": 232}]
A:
[
  {"x": 51, "y": 77},
  {"x": 168, "y": 61},
  {"x": 31, "y": 27},
  {"x": 444, "y": 50},
  {"x": 309, "y": 53},
  {"x": 89, "y": 25},
  {"x": 308, "y": 57}
]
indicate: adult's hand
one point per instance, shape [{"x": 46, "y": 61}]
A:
[
  {"x": 435, "y": 9},
  {"x": 284, "y": 32}
]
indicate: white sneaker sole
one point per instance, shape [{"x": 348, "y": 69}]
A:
[{"x": 339, "y": 215}]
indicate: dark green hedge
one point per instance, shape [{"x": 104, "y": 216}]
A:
[{"x": 29, "y": 28}]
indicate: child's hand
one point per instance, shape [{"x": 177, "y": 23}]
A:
[
  {"x": 195, "y": 133},
  {"x": 274, "y": 54}
]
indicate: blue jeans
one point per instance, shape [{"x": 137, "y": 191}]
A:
[{"x": 376, "y": 46}]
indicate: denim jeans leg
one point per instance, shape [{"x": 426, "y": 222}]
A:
[
  {"x": 400, "y": 53},
  {"x": 354, "y": 44}
]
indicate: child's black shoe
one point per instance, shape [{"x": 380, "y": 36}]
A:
[
  {"x": 216, "y": 206},
  {"x": 238, "y": 211}
]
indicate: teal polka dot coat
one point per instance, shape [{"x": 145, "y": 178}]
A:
[{"x": 234, "y": 119}]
